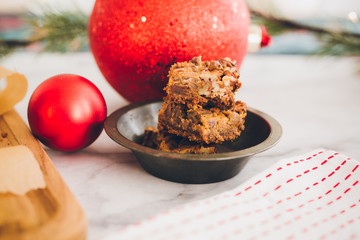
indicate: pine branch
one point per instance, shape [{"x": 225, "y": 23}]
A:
[
  {"x": 59, "y": 31},
  {"x": 276, "y": 26},
  {"x": 9, "y": 46},
  {"x": 333, "y": 43},
  {"x": 339, "y": 44}
]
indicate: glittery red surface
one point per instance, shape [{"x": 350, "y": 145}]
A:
[{"x": 135, "y": 42}]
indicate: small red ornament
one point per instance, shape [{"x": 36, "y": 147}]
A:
[
  {"x": 258, "y": 38},
  {"x": 265, "y": 37},
  {"x": 135, "y": 42},
  {"x": 66, "y": 112}
]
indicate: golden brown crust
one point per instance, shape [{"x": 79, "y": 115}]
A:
[
  {"x": 171, "y": 143},
  {"x": 203, "y": 83},
  {"x": 202, "y": 125}
]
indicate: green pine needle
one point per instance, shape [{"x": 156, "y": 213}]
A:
[
  {"x": 339, "y": 44},
  {"x": 60, "y": 31},
  {"x": 5, "y": 49}
]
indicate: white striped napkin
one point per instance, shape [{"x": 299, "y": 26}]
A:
[{"x": 314, "y": 196}]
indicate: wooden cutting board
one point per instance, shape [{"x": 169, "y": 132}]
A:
[{"x": 48, "y": 213}]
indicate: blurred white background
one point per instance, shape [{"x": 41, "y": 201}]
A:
[
  {"x": 305, "y": 9},
  {"x": 289, "y": 9}
]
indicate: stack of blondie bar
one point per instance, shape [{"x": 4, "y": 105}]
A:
[{"x": 200, "y": 109}]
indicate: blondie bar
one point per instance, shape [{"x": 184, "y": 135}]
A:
[
  {"x": 203, "y": 83},
  {"x": 202, "y": 125}
]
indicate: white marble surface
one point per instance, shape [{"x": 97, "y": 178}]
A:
[{"x": 316, "y": 100}]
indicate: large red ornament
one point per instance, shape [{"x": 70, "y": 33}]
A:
[
  {"x": 135, "y": 42},
  {"x": 66, "y": 112}
]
